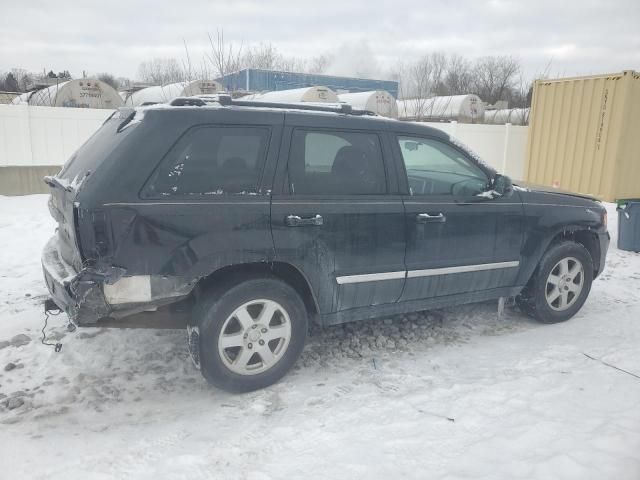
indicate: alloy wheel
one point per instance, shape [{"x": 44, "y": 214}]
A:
[
  {"x": 254, "y": 337},
  {"x": 564, "y": 284}
]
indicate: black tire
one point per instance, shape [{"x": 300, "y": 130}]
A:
[
  {"x": 533, "y": 299},
  {"x": 217, "y": 306}
]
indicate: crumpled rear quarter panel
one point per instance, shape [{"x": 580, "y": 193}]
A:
[{"x": 192, "y": 239}]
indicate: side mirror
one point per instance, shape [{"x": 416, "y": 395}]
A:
[{"x": 502, "y": 185}]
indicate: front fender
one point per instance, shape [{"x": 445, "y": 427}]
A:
[{"x": 546, "y": 223}]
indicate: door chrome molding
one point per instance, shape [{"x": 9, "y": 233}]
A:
[
  {"x": 430, "y": 272},
  {"x": 345, "y": 202},
  {"x": 371, "y": 277},
  {"x": 151, "y": 204},
  {"x": 484, "y": 204}
]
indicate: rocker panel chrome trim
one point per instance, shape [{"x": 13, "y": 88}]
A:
[
  {"x": 461, "y": 269},
  {"x": 430, "y": 272}
]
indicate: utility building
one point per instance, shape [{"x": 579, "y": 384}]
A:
[{"x": 258, "y": 80}]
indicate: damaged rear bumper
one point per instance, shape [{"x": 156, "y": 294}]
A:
[
  {"x": 79, "y": 294},
  {"x": 91, "y": 294}
]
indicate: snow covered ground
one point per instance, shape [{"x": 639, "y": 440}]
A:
[{"x": 455, "y": 393}]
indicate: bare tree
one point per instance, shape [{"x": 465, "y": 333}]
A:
[
  {"x": 225, "y": 58},
  {"x": 458, "y": 78},
  {"x": 319, "y": 64},
  {"x": 161, "y": 71},
  {"x": 521, "y": 94},
  {"x": 264, "y": 56},
  {"x": 522, "y": 91},
  {"x": 186, "y": 63},
  {"x": 109, "y": 79},
  {"x": 24, "y": 78},
  {"x": 292, "y": 64},
  {"x": 267, "y": 57},
  {"x": 439, "y": 64},
  {"x": 518, "y": 95},
  {"x": 194, "y": 71},
  {"x": 419, "y": 82},
  {"x": 494, "y": 77}
]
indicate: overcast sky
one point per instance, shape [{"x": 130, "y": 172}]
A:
[{"x": 577, "y": 36}]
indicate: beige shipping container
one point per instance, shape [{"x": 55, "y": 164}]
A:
[{"x": 584, "y": 135}]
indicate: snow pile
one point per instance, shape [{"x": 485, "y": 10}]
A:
[{"x": 454, "y": 393}]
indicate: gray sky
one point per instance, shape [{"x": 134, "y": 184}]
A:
[{"x": 578, "y": 36}]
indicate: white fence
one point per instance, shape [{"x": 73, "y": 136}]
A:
[
  {"x": 38, "y": 136},
  {"x": 504, "y": 147},
  {"x": 35, "y": 136}
]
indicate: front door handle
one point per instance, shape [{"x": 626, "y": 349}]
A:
[
  {"x": 430, "y": 218},
  {"x": 298, "y": 221}
]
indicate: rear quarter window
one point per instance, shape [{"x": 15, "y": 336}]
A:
[
  {"x": 212, "y": 160},
  {"x": 94, "y": 151}
]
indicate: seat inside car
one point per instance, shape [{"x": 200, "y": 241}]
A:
[{"x": 355, "y": 172}]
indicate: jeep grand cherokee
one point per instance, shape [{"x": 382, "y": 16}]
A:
[{"x": 264, "y": 216}]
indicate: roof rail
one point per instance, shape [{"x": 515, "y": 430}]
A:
[
  {"x": 187, "y": 102},
  {"x": 227, "y": 100}
]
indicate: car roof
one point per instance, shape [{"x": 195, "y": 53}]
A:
[{"x": 301, "y": 114}]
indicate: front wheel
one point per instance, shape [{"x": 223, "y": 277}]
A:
[
  {"x": 251, "y": 334},
  {"x": 560, "y": 285}
]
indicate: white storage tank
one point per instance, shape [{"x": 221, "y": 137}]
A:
[
  {"x": 307, "y": 94},
  {"x": 166, "y": 93},
  {"x": 461, "y": 108},
  {"x": 514, "y": 116},
  {"x": 376, "y": 101},
  {"x": 8, "y": 97},
  {"x": 81, "y": 93}
]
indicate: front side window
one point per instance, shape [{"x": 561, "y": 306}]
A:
[
  {"x": 336, "y": 163},
  {"x": 212, "y": 161},
  {"x": 436, "y": 168}
]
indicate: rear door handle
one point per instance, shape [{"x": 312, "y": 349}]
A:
[
  {"x": 430, "y": 218},
  {"x": 298, "y": 221}
]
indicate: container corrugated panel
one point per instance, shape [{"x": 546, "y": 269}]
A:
[
  {"x": 628, "y": 182},
  {"x": 581, "y": 135}
]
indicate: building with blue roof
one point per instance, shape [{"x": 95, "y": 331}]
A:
[{"x": 259, "y": 80}]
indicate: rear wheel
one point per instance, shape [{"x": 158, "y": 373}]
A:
[
  {"x": 251, "y": 334},
  {"x": 560, "y": 285}
]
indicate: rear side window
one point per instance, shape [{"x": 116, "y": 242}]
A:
[
  {"x": 212, "y": 161},
  {"x": 336, "y": 163}
]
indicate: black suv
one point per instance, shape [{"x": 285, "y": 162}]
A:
[{"x": 262, "y": 216}]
